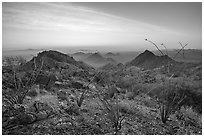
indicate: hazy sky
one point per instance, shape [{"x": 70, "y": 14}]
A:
[{"x": 125, "y": 25}]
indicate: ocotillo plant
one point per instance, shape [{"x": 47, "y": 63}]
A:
[
  {"x": 155, "y": 46},
  {"x": 111, "y": 108},
  {"x": 182, "y": 48},
  {"x": 110, "y": 105},
  {"x": 83, "y": 95},
  {"x": 171, "y": 99},
  {"x": 81, "y": 99},
  {"x": 165, "y": 106},
  {"x": 168, "y": 67},
  {"x": 21, "y": 87},
  {"x": 13, "y": 100}
]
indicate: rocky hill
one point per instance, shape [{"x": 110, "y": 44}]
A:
[
  {"x": 149, "y": 60},
  {"x": 53, "y": 59}
]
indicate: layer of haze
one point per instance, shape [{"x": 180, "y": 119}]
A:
[{"x": 116, "y": 26}]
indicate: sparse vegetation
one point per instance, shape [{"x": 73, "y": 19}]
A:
[
  {"x": 57, "y": 95},
  {"x": 113, "y": 113}
]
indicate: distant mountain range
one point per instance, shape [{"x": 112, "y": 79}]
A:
[
  {"x": 129, "y": 58},
  {"x": 54, "y": 59},
  {"x": 97, "y": 60}
]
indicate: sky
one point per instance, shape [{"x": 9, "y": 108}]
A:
[{"x": 114, "y": 25}]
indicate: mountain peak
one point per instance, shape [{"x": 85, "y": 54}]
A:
[
  {"x": 96, "y": 55},
  {"x": 148, "y": 60},
  {"x": 147, "y": 52},
  {"x": 55, "y": 55},
  {"x": 79, "y": 53},
  {"x": 110, "y": 54}
]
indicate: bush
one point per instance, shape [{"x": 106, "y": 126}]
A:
[
  {"x": 72, "y": 109},
  {"x": 192, "y": 96},
  {"x": 191, "y": 116},
  {"x": 13, "y": 61},
  {"x": 135, "y": 90},
  {"x": 126, "y": 82},
  {"x": 51, "y": 101},
  {"x": 178, "y": 94},
  {"x": 32, "y": 93},
  {"x": 130, "y": 95},
  {"x": 111, "y": 108},
  {"x": 125, "y": 108},
  {"x": 156, "y": 91}
]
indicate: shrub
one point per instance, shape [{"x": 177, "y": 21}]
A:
[
  {"x": 135, "y": 90},
  {"x": 113, "y": 113},
  {"x": 101, "y": 78},
  {"x": 178, "y": 94},
  {"x": 13, "y": 61},
  {"x": 189, "y": 91},
  {"x": 156, "y": 91},
  {"x": 50, "y": 100},
  {"x": 32, "y": 93},
  {"x": 130, "y": 95},
  {"x": 127, "y": 82},
  {"x": 190, "y": 116},
  {"x": 72, "y": 109},
  {"x": 125, "y": 108}
]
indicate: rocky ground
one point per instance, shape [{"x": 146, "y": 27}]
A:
[{"x": 142, "y": 117}]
